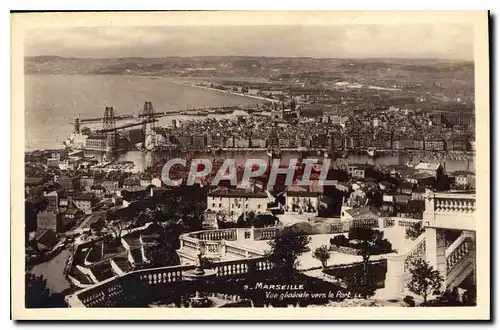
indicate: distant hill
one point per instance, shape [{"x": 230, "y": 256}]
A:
[
  {"x": 173, "y": 65},
  {"x": 415, "y": 74}
]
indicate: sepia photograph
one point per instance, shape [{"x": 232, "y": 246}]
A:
[{"x": 322, "y": 164}]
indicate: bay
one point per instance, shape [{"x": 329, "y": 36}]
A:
[{"x": 53, "y": 101}]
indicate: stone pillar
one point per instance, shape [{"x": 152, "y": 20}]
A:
[
  {"x": 435, "y": 249},
  {"x": 252, "y": 233},
  {"x": 223, "y": 248},
  {"x": 381, "y": 223},
  {"x": 395, "y": 278},
  {"x": 240, "y": 233},
  {"x": 472, "y": 236}
]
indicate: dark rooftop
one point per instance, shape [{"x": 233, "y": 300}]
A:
[
  {"x": 85, "y": 197},
  {"x": 294, "y": 193},
  {"x": 225, "y": 192}
]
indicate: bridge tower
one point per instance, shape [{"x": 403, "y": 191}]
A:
[
  {"x": 148, "y": 113},
  {"x": 109, "y": 124}
]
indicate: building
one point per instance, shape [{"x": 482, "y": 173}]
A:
[
  {"x": 134, "y": 193},
  {"x": 100, "y": 142},
  {"x": 68, "y": 183},
  {"x": 429, "y": 168},
  {"x": 302, "y": 201},
  {"x": 464, "y": 178},
  {"x": 241, "y": 141},
  {"x": 423, "y": 179},
  {"x": 86, "y": 181},
  {"x": 52, "y": 201},
  {"x": 258, "y": 142},
  {"x": 405, "y": 188},
  {"x": 215, "y": 141},
  {"x": 418, "y": 194},
  {"x": 284, "y": 142},
  {"x": 234, "y": 202},
  {"x": 130, "y": 183},
  {"x": 111, "y": 185},
  {"x": 359, "y": 217},
  {"x": 67, "y": 219},
  {"x": 463, "y": 118},
  {"x": 46, "y": 221},
  {"x": 85, "y": 202},
  {"x": 335, "y": 119},
  {"x": 228, "y": 142},
  {"x": 185, "y": 141},
  {"x": 351, "y": 142},
  {"x": 199, "y": 142},
  {"x": 98, "y": 190},
  {"x": 434, "y": 144},
  {"x": 362, "y": 171},
  {"x": 145, "y": 180},
  {"x": 273, "y": 140}
]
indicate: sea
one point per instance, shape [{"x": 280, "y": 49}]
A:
[{"x": 53, "y": 101}]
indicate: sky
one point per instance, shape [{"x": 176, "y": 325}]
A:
[{"x": 335, "y": 41}]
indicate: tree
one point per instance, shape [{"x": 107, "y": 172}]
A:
[
  {"x": 264, "y": 220},
  {"x": 414, "y": 231},
  {"x": 30, "y": 219},
  {"x": 285, "y": 250},
  {"x": 424, "y": 280},
  {"x": 37, "y": 294},
  {"x": 242, "y": 222},
  {"x": 118, "y": 227},
  {"x": 368, "y": 238},
  {"x": 322, "y": 253},
  {"x": 361, "y": 281}
]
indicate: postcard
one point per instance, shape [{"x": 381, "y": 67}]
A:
[{"x": 328, "y": 165}]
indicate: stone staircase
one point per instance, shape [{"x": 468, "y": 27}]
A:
[{"x": 460, "y": 263}]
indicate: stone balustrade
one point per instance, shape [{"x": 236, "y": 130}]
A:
[
  {"x": 215, "y": 235},
  {"x": 458, "y": 253},
  {"x": 219, "y": 243},
  {"x": 119, "y": 291},
  {"x": 236, "y": 251},
  {"x": 416, "y": 252},
  {"x": 372, "y": 223},
  {"x": 189, "y": 243},
  {"x": 454, "y": 204},
  {"x": 389, "y": 222},
  {"x": 451, "y": 210},
  {"x": 265, "y": 233}
]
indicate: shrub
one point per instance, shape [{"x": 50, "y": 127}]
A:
[
  {"x": 322, "y": 254},
  {"x": 339, "y": 240},
  {"x": 409, "y": 301},
  {"x": 414, "y": 231}
]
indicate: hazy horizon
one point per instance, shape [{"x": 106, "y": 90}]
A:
[
  {"x": 255, "y": 56},
  {"x": 409, "y": 41}
]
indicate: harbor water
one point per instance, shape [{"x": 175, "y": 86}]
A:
[{"x": 53, "y": 101}]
